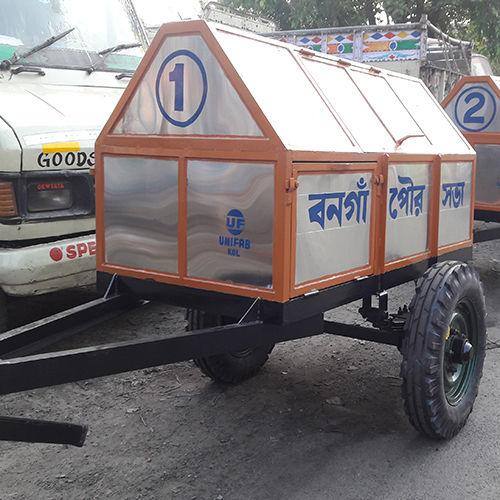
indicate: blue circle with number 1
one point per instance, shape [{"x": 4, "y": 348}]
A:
[{"x": 176, "y": 76}]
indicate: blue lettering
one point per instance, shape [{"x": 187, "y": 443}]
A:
[
  {"x": 410, "y": 199},
  {"x": 453, "y": 194},
  {"x": 355, "y": 203}
]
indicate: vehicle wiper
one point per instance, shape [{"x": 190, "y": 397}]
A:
[
  {"x": 29, "y": 69},
  {"x": 116, "y": 48},
  {"x": 7, "y": 63},
  {"x": 106, "y": 52}
]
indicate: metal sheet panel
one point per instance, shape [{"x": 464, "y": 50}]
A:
[
  {"x": 455, "y": 209},
  {"x": 141, "y": 213},
  {"x": 407, "y": 217},
  {"x": 230, "y": 221},
  {"x": 444, "y": 137},
  {"x": 355, "y": 112},
  {"x": 286, "y": 96},
  {"x": 185, "y": 91},
  {"x": 476, "y": 108},
  {"x": 488, "y": 173},
  {"x": 390, "y": 109},
  {"x": 333, "y": 224}
]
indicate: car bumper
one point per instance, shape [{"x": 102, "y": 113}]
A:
[{"x": 48, "y": 267}]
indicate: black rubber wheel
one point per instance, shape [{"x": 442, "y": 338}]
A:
[
  {"x": 443, "y": 349},
  {"x": 3, "y": 312},
  {"x": 228, "y": 368}
]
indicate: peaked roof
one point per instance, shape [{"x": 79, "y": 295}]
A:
[{"x": 211, "y": 80}]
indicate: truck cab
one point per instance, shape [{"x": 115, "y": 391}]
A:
[{"x": 63, "y": 66}]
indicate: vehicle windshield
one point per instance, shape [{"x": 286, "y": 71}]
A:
[
  {"x": 480, "y": 66},
  {"x": 99, "y": 25}
]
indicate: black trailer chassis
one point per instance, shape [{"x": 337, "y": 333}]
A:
[{"x": 25, "y": 364}]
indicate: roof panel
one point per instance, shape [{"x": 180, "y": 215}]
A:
[
  {"x": 351, "y": 106},
  {"x": 284, "y": 93},
  {"x": 185, "y": 91},
  {"x": 443, "y": 136},
  {"x": 387, "y": 105}
]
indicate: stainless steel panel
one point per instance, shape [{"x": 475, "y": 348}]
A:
[
  {"x": 355, "y": 112},
  {"x": 333, "y": 224},
  {"x": 443, "y": 136},
  {"x": 194, "y": 95},
  {"x": 488, "y": 173},
  {"x": 285, "y": 95},
  {"x": 141, "y": 213},
  {"x": 476, "y": 108},
  {"x": 389, "y": 108},
  {"x": 230, "y": 222},
  {"x": 407, "y": 216},
  {"x": 454, "y": 208}
]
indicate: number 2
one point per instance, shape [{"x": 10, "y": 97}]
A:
[
  {"x": 469, "y": 114},
  {"x": 177, "y": 76}
]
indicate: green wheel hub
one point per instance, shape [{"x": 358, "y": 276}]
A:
[{"x": 460, "y": 353}]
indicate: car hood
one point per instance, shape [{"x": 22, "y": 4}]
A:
[{"x": 52, "y": 120}]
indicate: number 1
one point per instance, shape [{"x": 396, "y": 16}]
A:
[{"x": 177, "y": 76}]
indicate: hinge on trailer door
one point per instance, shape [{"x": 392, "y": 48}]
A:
[
  {"x": 378, "y": 181},
  {"x": 291, "y": 184}
]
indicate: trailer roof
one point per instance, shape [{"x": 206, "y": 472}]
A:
[{"x": 211, "y": 80}]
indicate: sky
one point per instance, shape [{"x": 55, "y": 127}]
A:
[{"x": 155, "y": 12}]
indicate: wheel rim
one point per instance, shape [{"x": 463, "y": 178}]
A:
[{"x": 457, "y": 367}]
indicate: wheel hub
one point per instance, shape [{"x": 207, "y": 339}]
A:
[
  {"x": 459, "y": 359},
  {"x": 462, "y": 350}
]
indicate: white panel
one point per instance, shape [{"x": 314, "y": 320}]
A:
[
  {"x": 351, "y": 106},
  {"x": 443, "y": 136},
  {"x": 185, "y": 91},
  {"x": 454, "y": 208},
  {"x": 476, "y": 108},
  {"x": 333, "y": 224},
  {"x": 407, "y": 210},
  {"x": 284, "y": 93},
  {"x": 389, "y": 108}
]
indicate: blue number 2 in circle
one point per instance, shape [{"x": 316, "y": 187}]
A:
[
  {"x": 177, "y": 76},
  {"x": 475, "y": 108},
  {"x": 469, "y": 115}
]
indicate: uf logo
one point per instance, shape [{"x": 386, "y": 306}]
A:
[{"x": 235, "y": 222}]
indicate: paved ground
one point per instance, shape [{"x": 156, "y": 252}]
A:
[{"x": 324, "y": 419}]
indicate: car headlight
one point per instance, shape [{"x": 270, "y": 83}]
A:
[{"x": 47, "y": 196}]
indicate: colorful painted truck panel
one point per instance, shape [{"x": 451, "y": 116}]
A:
[{"x": 406, "y": 48}]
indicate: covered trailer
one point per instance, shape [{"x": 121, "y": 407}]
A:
[
  {"x": 240, "y": 165},
  {"x": 474, "y": 106},
  {"x": 261, "y": 185}
]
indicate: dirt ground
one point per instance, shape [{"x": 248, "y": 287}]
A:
[{"x": 323, "y": 419}]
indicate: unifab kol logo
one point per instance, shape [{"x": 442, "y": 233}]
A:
[{"x": 235, "y": 222}]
